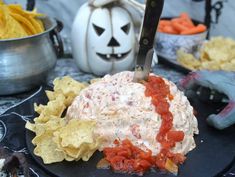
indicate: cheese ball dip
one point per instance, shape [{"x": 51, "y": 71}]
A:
[{"x": 123, "y": 111}]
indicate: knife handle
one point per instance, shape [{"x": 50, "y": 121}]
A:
[{"x": 152, "y": 15}]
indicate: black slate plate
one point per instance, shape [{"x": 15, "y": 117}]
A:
[
  {"x": 214, "y": 153},
  {"x": 173, "y": 64}
]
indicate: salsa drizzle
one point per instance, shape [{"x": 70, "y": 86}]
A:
[{"x": 159, "y": 91}]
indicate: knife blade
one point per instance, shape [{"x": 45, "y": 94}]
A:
[{"x": 152, "y": 15}]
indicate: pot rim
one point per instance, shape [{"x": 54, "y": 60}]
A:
[
  {"x": 53, "y": 26},
  {"x": 182, "y": 35}
]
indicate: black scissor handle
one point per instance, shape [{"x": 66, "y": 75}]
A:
[{"x": 30, "y": 5}]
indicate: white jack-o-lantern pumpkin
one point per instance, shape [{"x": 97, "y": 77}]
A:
[{"x": 104, "y": 39}]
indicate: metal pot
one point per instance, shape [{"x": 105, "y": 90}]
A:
[{"x": 26, "y": 62}]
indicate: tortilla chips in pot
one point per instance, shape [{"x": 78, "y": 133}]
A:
[{"x": 15, "y": 22}]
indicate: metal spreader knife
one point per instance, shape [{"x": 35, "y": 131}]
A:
[{"x": 152, "y": 15}]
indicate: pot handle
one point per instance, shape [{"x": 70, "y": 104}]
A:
[
  {"x": 56, "y": 39},
  {"x": 30, "y": 5}
]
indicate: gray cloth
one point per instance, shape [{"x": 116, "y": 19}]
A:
[{"x": 220, "y": 81}]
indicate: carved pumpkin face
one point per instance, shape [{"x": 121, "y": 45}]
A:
[{"x": 109, "y": 40}]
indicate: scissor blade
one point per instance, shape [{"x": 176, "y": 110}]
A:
[
  {"x": 143, "y": 65},
  {"x": 152, "y": 15}
]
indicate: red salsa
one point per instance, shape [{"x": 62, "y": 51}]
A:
[{"x": 127, "y": 158}]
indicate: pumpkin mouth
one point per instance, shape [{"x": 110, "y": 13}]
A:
[{"x": 113, "y": 56}]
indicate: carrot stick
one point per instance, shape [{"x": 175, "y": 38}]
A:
[
  {"x": 198, "y": 29},
  {"x": 187, "y": 19},
  {"x": 164, "y": 22},
  {"x": 187, "y": 24},
  {"x": 182, "y": 21},
  {"x": 178, "y": 20},
  {"x": 160, "y": 30},
  {"x": 169, "y": 29},
  {"x": 184, "y": 15},
  {"x": 179, "y": 27}
]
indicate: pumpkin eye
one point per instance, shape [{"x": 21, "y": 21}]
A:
[
  {"x": 98, "y": 29},
  {"x": 126, "y": 28}
]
